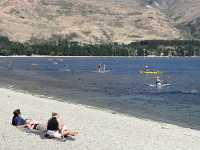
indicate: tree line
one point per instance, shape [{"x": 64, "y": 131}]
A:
[{"x": 64, "y": 47}]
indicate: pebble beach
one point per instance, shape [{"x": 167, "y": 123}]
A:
[{"x": 98, "y": 129}]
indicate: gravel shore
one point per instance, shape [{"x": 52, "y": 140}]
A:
[{"x": 98, "y": 129}]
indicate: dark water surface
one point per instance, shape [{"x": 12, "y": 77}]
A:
[{"x": 122, "y": 89}]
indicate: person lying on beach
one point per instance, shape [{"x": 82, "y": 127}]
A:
[
  {"x": 17, "y": 119},
  {"x": 56, "y": 127}
]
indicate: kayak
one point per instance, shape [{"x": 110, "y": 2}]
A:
[
  {"x": 151, "y": 72},
  {"x": 155, "y": 85}
]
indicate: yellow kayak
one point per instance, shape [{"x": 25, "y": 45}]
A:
[{"x": 151, "y": 72}]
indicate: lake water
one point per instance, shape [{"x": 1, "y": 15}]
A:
[{"x": 122, "y": 89}]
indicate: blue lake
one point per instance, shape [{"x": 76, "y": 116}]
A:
[{"x": 122, "y": 89}]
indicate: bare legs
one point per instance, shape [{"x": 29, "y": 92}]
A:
[{"x": 69, "y": 133}]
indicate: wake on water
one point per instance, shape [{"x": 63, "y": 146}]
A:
[
  {"x": 155, "y": 85},
  {"x": 103, "y": 71}
]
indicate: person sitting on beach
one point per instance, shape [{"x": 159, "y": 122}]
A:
[
  {"x": 56, "y": 127},
  {"x": 17, "y": 119}
]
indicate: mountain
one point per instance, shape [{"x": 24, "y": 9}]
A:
[
  {"x": 184, "y": 13},
  {"x": 99, "y": 21}
]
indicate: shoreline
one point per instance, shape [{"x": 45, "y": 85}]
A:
[
  {"x": 48, "y": 56},
  {"x": 141, "y": 116},
  {"x": 98, "y": 129}
]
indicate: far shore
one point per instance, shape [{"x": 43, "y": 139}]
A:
[
  {"x": 98, "y": 129},
  {"x": 48, "y": 56}
]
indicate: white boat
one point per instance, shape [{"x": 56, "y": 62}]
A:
[{"x": 158, "y": 85}]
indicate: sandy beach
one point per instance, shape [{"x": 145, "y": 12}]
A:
[{"x": 98, "y": 129}]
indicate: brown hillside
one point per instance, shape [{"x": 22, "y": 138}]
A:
[{"x": 84, "y": 20}]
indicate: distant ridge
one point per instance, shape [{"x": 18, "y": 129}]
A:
[{"x": 99, "y": 21}]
